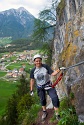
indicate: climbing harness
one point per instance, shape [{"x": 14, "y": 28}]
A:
[
  {"x": 61, "y": 75},
  {"x": 48, "y": 86},
  {"x": 45, "y": 86}
]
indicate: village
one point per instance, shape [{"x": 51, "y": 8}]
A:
[{"x": 17, "y": 61}]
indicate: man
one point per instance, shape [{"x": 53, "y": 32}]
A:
[{"x": 41, "y": 74}]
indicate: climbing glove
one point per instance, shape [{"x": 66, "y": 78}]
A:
[
  {"x": 31, "y": 93},
  {"x": 62, "y": 68}
]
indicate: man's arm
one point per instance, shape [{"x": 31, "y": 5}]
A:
[
  {"x": 31, "y": 84},
  {"x": 55, "y": 72},
  {"x": 51, "y": 72}
]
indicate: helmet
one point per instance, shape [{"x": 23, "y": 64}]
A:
[{"x": 37, "y": 56}]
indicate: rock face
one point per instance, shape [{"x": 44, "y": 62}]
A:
[{"x": 68, "y": 50}]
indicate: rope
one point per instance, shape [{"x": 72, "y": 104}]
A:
[
  {"x": 79, "y": 78},
  {"x": 61, "y": 75},
  {"x": 74, "y": 65},
  {"x": 56, "y": 82}
]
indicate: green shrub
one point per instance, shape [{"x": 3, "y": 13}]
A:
[
  {"x": 64, "y": 103},
  {"x": 21, "y": 107},
  {"x": 71, "y": 95},
  {"x": 36, "y": 98},
  {"x": 28, "y": 118},
  {"x": 22, "y": 88},
  {"x": 68, "y": 117},
  {"x": 67, "y": 113},
  {"x": 81, "y": 123},
  {"x": 25, "y": 103},
  {"x": 2, "y": 121},
  {"x": 11, "y": 112}
]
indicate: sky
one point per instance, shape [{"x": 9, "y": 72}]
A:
[{"x": 33, "y": 6}]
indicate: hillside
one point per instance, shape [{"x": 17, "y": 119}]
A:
[
  {"x": 5, "y": 41},
  {"x": 9, "y": 45}
]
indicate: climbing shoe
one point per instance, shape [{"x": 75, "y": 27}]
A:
[{"x": 44, "y": 115}]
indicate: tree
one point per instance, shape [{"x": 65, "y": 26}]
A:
[
  {"x": 12, "y": 111},
  {"x": 47, "y": 19},
  {"x": 46, "y": 50},
  {"x": 18, "y": 98},
  {"x": 45, "y": 25},
  {"x": 40, "y": 31},
  {"x": 49, "y": 14},
  {"x": 45, "y": 29},
  {"x": 25, "y": 103},
  {"x": 23, "y": 88}
]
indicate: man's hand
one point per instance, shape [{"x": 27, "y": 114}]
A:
[
  {"x": 62, "y": 68},
  {"x": 31, "y": 93}
]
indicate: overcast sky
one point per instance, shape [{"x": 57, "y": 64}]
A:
[{"x": 33, "y": 6}]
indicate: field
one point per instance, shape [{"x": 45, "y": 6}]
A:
[
  {"x": 5, "y": 40},
  {"x": 2, "y": 73},
  {"x": 19, "y": 65},
  {"x": 6, "y": 90},
  {"x": 8, "y": 87}
]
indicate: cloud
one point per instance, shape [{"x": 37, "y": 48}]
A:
[{"x": 33, "y": 6}]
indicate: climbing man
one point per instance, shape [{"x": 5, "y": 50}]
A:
[{"x": 41, "y": 75}]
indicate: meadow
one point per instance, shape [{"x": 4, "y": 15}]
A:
[
  {"x": 18, "y": 65},
  {"x": 2, "y": 73},
  {"x": 5, "y": 40},
  {"x": 7, "y": 88}
]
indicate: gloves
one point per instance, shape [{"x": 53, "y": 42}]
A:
[
  {"x": 62, "y": 68},
  {"x": 31, "y": 93}
]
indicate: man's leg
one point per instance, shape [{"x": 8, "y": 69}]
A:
[
  {"x": 56, "y": 110},
  {"x": 44, "y": 108},
  {"x": 42, "y": 95},
  {"x": 55, "y": 100}
]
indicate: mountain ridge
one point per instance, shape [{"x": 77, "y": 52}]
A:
[{"x": 16, "y": 23}]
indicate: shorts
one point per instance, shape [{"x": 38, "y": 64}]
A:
[{"x": 52, "y": 93}]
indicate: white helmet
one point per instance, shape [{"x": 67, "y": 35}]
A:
[{"x": 37, "y": 56}]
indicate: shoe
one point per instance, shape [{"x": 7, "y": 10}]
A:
[
  {"x": 57, "y": 117},
  {"x": 44, "y": 115}
]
